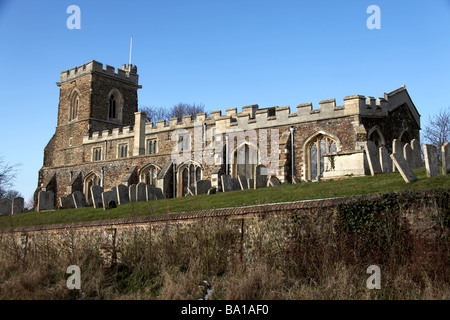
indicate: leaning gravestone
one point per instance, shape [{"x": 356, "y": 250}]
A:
[
  {"x": 251, "y": 183},
  {"x": 109, "y": 200},
  {"x": 141, "y": 192},
  {"x": 122, "y": 194},
  {"x": 46, "y": 200},
  {"x": 132, "y": 193},
  {"x": 385, "y": 160},
  {"x": 5, "y": 207},
  {"x": 235, "y": 184},
  {"x": 260, "y": 178},
  {"x": 96, "y": 193},
  {"x": 79, "y": 199},
  {"x": 445, "y": 158},
  {"x": 431, "y": 160},
  {"x": 403, "y": 167},
  {"x": 372, "y": 157},
  {"x": 274, "y": 181},
  {"x": 66, "y": 202},
  {"x": 243, "y": 182},
  {"x": 17, "y": 205},
  {"x": 212, "y": 190},
  {"x": 203, "y": 186}
]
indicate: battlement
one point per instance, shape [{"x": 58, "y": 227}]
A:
[
  {"x": 254, "y": 117},
  {"x": 116, "y": 133},
  {"x": 124, "y": 73}
]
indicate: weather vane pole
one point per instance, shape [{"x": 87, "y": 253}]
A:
[{"x": 131, "y": 44}]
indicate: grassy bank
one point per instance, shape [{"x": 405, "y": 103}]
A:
[{"x": 380, "y": 183}]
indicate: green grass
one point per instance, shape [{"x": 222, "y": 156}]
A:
[{"x": 379, "y": 183}]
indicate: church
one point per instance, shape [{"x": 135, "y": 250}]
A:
[{"x": 103, "y": 141}]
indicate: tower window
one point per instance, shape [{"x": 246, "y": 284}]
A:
[
  {"x": 151, "y": 147},
  {"x": 74, "y": 106},
  {"x": 112, "y": 107}
]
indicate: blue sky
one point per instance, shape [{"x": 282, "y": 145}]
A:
[{"x": 223, "y": 54}]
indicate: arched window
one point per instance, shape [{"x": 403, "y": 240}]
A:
[
  {"x": 376, "y": 137},
  {"x": 317, "y": 148},
  {"x": 189, "y": 174},
  {"x": 245, "y": 161},
  {"x": 112, "y": 107},
  {"x": 91, "y": 179},
  {"x": 149, "y": 174},
  {"x": 74, "y": 105}
]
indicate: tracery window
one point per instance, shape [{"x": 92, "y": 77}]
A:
[
  {"x": 245, "y": 161},
  {"x": 149, "y": 175},
  {"x": 189, "y": 176},
  {"x": 320, "y": 146}
]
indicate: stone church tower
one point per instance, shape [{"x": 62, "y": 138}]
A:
[{"x": 91, "y": 99}]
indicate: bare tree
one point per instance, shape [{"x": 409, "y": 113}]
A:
[
  {"x": 7, "y": 175},
  {"x": 153, "y": 114},
  {"x": 437, "y": 131}
]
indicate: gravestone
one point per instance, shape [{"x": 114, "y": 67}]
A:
[
  {"x": 397, "y": 147},
  {"x": 385, "y": 160},
  {"x": 66, "y": 202},
  {"x": 62, "y": 202},
  {"x": 96, "y": 194},
  {"x": 212, "y": 190},
  {"x": 251, "y": 183},
  {"x": 190, "y": 191},
  {"x": 122, "y": 194},
  {"x": 403, "y": 167},
  {"x": 243, "y": 182},
  {"x": 373, "y": 158},
  {"x": 17, "y": 205},
  {"x": 416, "y": 153},
  {"x": 227, "y": 183},
  {"x": 79, "y": 199},
  {"x": 132, "y": 193},
  {"x": 5, "y": 207},
  {"x": 274, "y": 181},
  {"x": 407, "y": 154},
  {"x": 260, "y": 178},
  {"x": 235, "y": 184},
  {"x": 431, "y": 160},
  {"x": 445, "y": 149},
  {"x": 46, "y": 200},
  {"x": 154, "y": 193},
  {"x": 203, "y": 186},
  {"x": 109, "y": 199},
  {"x": 141, "y": 192}
]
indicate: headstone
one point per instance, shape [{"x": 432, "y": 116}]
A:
[
  {"x": 62, "y": 203},
  {"x": 260, "y": 178},
  {"x": 407, "y": 154},
  {"x": 397, "y": 147},
  {"x": 227, "y": 183},
  {"x": 403, "y": 167},
  {"x": 385, "y": 160},
  {"x": 372, "y": 157},
  {"x": 154, "y": 193},
  {"x": 235, "y": 184},
  {"x": 243, "y": 182},
  {"x": 79, "y": 199},
  {"x": 69, "y": 202},
  {"x": 17, "y": 205},
  {"x": 5, "y": 207},
  {"x": 274, "y": 181},
  {"x": 431, "y": 160},
  {"x": 445, "y": 149},
  {"x": 132, "y": 193},
  {"x": 203, "y": 186},
  {"x": 251, "y": 183},
  {"x": 416, "y": 153},
  {"x": 96, "y": 195},
  {"x": 109, "y": 200},
  {"x": 190, "y": 191},
  {"x": 46, "y": 200},
  {"x": 212, "y": 190},
  {"x": 141, "y": 192},
  {"x": 122, "y": 194}
]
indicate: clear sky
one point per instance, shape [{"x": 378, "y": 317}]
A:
[{"x": 221, "y": 53}]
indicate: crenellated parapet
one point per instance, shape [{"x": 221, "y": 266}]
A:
[
  {"x": 114, "y": 134},
  {"x": 125, "y": 73},
  {"x": 254, "y": 117}
]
